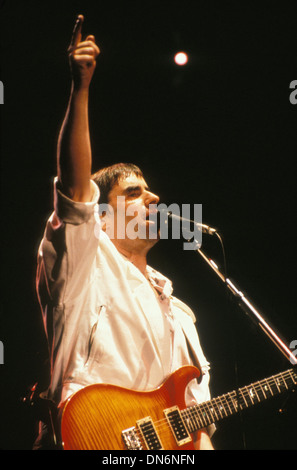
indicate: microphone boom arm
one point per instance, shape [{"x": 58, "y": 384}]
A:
[{"x": 250, "y": 310}]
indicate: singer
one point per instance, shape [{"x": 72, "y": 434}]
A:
[{"x": 109, "y": 317}]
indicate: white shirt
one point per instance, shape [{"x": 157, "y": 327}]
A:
[{"x": 104, "y": 321}]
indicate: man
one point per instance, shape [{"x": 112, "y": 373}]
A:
[{"x": 109, "y": 317}]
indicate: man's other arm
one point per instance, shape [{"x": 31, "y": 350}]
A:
[{"x": 202, "y": 440}]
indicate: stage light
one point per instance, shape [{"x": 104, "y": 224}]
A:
[{"x": 181, "y": 58}]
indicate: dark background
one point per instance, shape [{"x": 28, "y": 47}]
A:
[{"x": 220, "y": 131}]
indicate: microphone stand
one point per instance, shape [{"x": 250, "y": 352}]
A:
[
  {"x": 241, "y": 300},
  {"x": 249, "y": 309}
]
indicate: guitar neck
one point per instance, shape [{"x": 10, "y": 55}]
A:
[{"x": 199, "y": 416}]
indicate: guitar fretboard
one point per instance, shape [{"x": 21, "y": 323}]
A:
[{"x": 199, "y": 416}]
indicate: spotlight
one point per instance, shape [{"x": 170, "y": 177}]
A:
[{"x": 181, "y": 58}]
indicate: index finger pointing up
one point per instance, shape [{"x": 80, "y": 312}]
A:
[{"x": 76, "y": 34}]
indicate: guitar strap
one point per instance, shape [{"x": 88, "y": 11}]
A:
[
  {"x": 194, "y": 358},
  {"x": 189, "y": 319}
]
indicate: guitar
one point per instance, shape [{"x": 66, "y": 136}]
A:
[{"x": 108, "y": 417}]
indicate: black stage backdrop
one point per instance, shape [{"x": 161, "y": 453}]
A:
[{"x": 220, "y": 131}]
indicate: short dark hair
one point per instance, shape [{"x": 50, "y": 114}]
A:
[{"x": 107, "y": 177}]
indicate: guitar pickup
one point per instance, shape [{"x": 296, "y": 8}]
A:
[
  {"x": 177, "y": 426},
  {"x": 149, "y": 433}
]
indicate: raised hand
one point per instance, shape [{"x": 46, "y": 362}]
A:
[{"x": 82, "y": 56}]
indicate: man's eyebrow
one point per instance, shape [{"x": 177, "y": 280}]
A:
[{"x": 130, "y": 189}]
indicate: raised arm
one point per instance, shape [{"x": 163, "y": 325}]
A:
[{"x": 74, "y": 154}]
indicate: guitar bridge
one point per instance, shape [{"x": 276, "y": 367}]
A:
[{"x": 131, "y": 439}]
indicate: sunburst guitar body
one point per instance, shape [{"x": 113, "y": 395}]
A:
[
  {"x": 108, "y": 417},
  {"x": 97, "y": 416}
]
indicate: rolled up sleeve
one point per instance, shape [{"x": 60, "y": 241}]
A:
[{"x": 73, "y": 212}]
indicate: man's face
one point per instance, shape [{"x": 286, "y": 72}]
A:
[{"x": 132, "y": 203}]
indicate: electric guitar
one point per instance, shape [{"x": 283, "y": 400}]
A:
[{"x": 108, "y": 417}]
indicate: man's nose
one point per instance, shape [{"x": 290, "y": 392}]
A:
[{"x": 152, "y": 198}]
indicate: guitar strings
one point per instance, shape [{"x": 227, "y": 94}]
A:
[{"x": 192, "y": 412}]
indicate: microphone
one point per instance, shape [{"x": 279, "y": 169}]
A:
[{"x": 203, "y": 227}]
